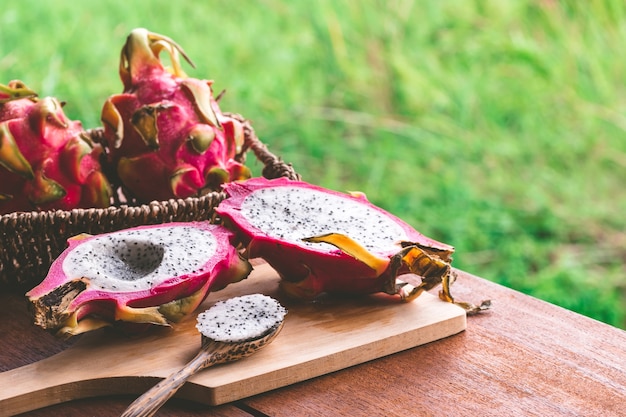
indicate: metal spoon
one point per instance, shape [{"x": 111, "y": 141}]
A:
[{"x": 211, "y": 353}]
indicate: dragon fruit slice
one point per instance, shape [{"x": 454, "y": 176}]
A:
[
  {"x": 324, "y": 241},
  {"x": 241, "y": 319},
  {"x": 165, "y": 134},
  {"x": 47, "y": 162},
  {"x": 148, "y": 274}
]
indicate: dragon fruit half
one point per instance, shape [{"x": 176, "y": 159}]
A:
[
  {"x": 325, "y": 241},
  {"x": 47, "y": 161},
  {"x": 165, "y": 134},
  {"x": 147, "y": 274}
]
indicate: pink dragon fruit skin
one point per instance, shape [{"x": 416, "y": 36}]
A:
[
  {"x": 147, "y": 274},
  {"x": 48, "y": 161},
  {"x": 320, "y": 240},
  {"x": 166, "y": 135}
]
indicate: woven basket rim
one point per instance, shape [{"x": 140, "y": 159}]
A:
[{"x": 251, "y": 143}]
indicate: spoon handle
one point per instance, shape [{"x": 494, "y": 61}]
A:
[{"x": 148, "y": 403}]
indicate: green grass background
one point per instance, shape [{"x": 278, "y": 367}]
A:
[{"x": 495, "y": 126}]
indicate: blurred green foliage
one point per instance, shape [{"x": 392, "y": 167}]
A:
[{"x": 494, "y": 126}]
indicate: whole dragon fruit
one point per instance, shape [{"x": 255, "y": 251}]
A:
[
  {"x": 47, "y": 161},
  {"x": 324, "y": 241},
  {"x": 147, "y": 274},
  {"x": 165, "y": 134}
]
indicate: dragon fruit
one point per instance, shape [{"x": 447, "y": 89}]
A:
[
  {"x": 165, "y": 134},
  {"x": 153, "y": 274},
  {"x": 48, "y": 161},
  {"x": 241, "y": 319},
  {"x": 320, "y": 240}
]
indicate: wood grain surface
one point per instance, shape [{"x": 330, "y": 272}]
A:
[
  {"x": 318, "y": 337},
  {"x": 523, "y": 358}
]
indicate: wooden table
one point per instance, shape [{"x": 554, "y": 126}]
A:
[{"x": 525, "y": 357}]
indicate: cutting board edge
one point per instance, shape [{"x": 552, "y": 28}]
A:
[
  {"x": 74, "y": 390},
  {"x": 218, "y": 395}
]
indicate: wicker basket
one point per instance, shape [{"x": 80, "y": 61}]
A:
[{"x": 31, "y": 241}]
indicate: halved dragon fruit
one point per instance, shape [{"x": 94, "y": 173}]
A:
[
  {"x": 321, "y": 240},
  {"x": 147, "y": 274}
]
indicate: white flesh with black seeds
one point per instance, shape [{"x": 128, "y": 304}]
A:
[
  {"x": 140, "y": 259},
  {"x": 241, "y": 319},
  {"x": 294, "y": 213}
]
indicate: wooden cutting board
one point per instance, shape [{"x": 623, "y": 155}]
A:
[{"x": 318, "y": 337}]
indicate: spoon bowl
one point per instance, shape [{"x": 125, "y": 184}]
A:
[{"x": 211, "y": 353}]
